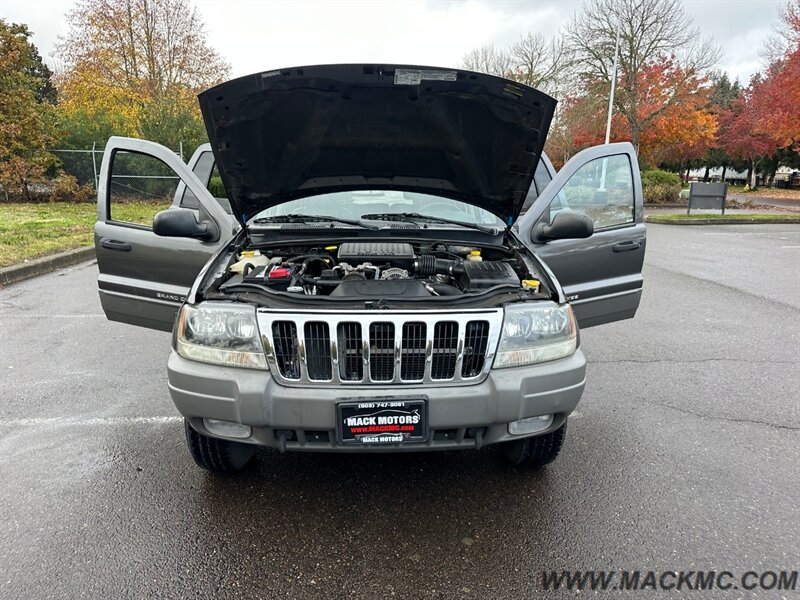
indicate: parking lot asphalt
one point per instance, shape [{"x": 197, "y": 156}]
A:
[{"x": 684, "y": 455}]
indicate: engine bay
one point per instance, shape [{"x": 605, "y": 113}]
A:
[{"x": 386, "y": 269}]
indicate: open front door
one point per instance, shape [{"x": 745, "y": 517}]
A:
[
  {"x": 144, "y": 277},
  {"x": 601, "y": 275}
]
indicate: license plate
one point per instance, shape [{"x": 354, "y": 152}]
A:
[{"x": 382, "y": 421}]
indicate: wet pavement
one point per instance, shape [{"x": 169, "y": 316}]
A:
[{"x": 684, "y": 454}]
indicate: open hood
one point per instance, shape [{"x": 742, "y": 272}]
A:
[{"x": 282, "y": 135}]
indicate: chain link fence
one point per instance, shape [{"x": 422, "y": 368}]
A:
[{"x": 84, "y": 165}]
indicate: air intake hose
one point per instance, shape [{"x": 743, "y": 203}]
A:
[{"x": 427, "y": 265}]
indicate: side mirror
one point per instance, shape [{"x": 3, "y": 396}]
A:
[
  {"x": 564, "y": 226},
  {"x": 182, "y": 222}
]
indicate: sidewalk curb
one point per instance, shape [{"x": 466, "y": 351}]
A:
[
  {"x": 660, "y": 221},
  {"x": 45, "y": 264}
]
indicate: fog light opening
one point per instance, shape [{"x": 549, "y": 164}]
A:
[
  {"x": 530, "y": 425},
  {"x": 227, "y": 429}
]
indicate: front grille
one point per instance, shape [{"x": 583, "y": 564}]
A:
[{"x": 387, "y": 347}]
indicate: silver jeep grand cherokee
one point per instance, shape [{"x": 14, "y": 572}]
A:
[{"x": 371, "y": 282}]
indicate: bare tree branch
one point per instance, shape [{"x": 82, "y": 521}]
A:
[{"x": 487, "y": 59}]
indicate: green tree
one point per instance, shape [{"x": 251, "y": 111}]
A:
[{"x": 26, "y": 112}]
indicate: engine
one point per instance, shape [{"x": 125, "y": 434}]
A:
[{"x": 374, "y": 270}]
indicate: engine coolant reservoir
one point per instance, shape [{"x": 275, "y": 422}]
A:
[
  {"x": 475, "y": 256},
  {"x": 253, "y": 257},
  {"x": 531, "y": 284}
]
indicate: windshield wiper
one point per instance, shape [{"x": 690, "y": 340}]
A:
[
  {"x": 295, "y": 218},
  {"x": 416, "y": 217}
]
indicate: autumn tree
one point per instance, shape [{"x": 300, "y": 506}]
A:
[
  {"x": 740, "y": 133},
  {"x": 651, "y": 31},
  {"x": 134, "y": 67},
  {"x": 675, "y": 131},
  {"x": 26, "y": 112},
  {"x": 579, "y": 123},
  {"x": 776, "y": 97},
  {"x": 762, "y": 126}
]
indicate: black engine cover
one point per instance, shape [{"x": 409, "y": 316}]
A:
[
  {"x": 480, "y": 275},
  {"x": 399, "y": 254}
]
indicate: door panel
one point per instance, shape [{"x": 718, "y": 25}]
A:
[
  {"x": 601, "y": 275},
  {"x": 143, "y": 278}
]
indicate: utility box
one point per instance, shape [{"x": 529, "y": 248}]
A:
[{"x": 707, "y": 195}]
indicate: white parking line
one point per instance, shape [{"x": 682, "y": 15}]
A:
[
  {"x": 91, "y": 422},
  {"x": 738, "y": 233}
]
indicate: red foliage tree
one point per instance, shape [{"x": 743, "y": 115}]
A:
[
  {"x": 741, "y": 131},
  {"x": 676, "y": 129},
  {"x": 776, "y": 99},
  {"x": 673, "y": 116}
]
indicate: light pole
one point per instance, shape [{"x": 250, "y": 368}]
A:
[{"x": 610, "y": 108}]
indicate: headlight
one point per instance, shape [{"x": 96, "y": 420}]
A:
[
  {"x": 535, "y": 333},
  {"x": 220, "y": 334}
]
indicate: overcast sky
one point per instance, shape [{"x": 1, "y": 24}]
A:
[{"x": 259, "y": 35}]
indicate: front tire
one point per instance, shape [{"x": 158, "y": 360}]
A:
[
  {"x": 535, "y": 452},
  {"x": 216, "y": 455}
]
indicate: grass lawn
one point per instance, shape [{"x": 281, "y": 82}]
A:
[
  {"x": 765, "y": 192},
  {"x": 744, "y": 218},
  {"x": 32, "y": 230}
]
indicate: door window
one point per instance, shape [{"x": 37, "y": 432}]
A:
[
  {"x": 139, "y": 186},
  {"x": 602, "y": 189},
  {"x": 203, "y": 170},
  {"x": 541, "y": 177},
  {"x": 206, "y": 170}
]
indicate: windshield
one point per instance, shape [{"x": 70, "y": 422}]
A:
[{"x": 355, "y": 204}]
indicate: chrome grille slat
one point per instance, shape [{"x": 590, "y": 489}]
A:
[
  {"x": 326, "y": 348},
  {"x": 365, "y": 352},
  {"x": 428, "y": 352}
]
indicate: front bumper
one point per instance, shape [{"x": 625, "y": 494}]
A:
[{"x": 303, "y": 418}]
